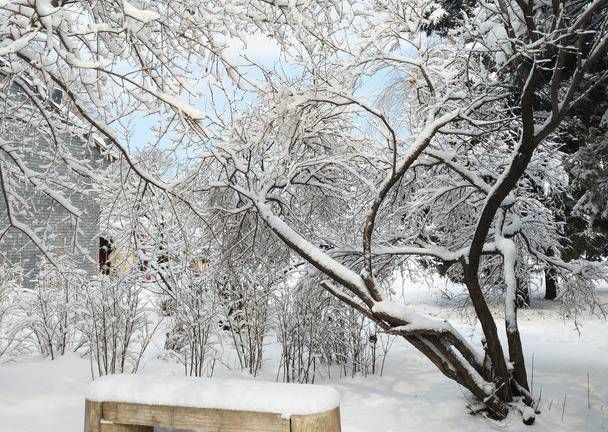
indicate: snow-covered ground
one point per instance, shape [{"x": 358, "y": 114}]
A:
[{"x": 48, "y": 395}]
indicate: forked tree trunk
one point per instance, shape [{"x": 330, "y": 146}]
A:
[
  {"x": 453, "y": 357},
  {"x": 512, "y": 382},
  {"x": 490, "y": 382}
]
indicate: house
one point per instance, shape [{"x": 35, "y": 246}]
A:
[{"x": 47, "y": 200}]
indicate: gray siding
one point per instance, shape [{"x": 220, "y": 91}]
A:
[{"x": 62, "y": 233}]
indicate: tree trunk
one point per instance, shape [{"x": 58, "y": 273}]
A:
[
  {"x": 519, "y": 384},
  {"x": 516, "y": 356},
  {"x": 447, "y": 350},
  {"x": 550, "y": 284},
  {"x": 523, "y": 294},
  {"x": 441, "y": 352},
  {"x": 493, "y": 346}
]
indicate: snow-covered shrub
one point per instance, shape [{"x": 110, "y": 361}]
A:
[
  {"x": 245, "y": 296},
  {"x": 355, "y": 343},
  {"x": 301, "y": 325},
  {"x": 12, "y": 333},
  {"x": 49, "y": 308},
  {"x": 247, "y": 264},
  {"x": 318, "y": 334},
  {"x": 195, "y": 314},
  {"x": 352, "y": 343},
  {"x": 116, "y": 322}
]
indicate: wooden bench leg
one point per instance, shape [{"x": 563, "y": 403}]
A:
[
  {"x": 325, "y": 422},
  {"x": 92, "y": 416},
  {"x": 115, "y": 427}
]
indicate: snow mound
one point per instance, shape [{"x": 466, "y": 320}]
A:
[{"x": 228, "y": 394}]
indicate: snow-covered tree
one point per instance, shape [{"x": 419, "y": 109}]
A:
[
  {"x": 446, "y": 166},
  {"x": 80, "y": 73}
]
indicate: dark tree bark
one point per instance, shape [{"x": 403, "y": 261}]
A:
[
  {"x": 493, "y": 345},
  {"x": 550, "y": 284},
  {"x": 523, "y": 294}
]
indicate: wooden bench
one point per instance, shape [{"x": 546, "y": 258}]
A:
[{"x": 137, "y": 403}]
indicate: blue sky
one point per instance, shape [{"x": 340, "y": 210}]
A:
[{"x": 259, "y": 48}]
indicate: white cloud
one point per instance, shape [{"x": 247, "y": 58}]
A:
[{"x": 257, "y": 47}]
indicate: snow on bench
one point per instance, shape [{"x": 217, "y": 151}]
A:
[{"x": 136, "y": 403}]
